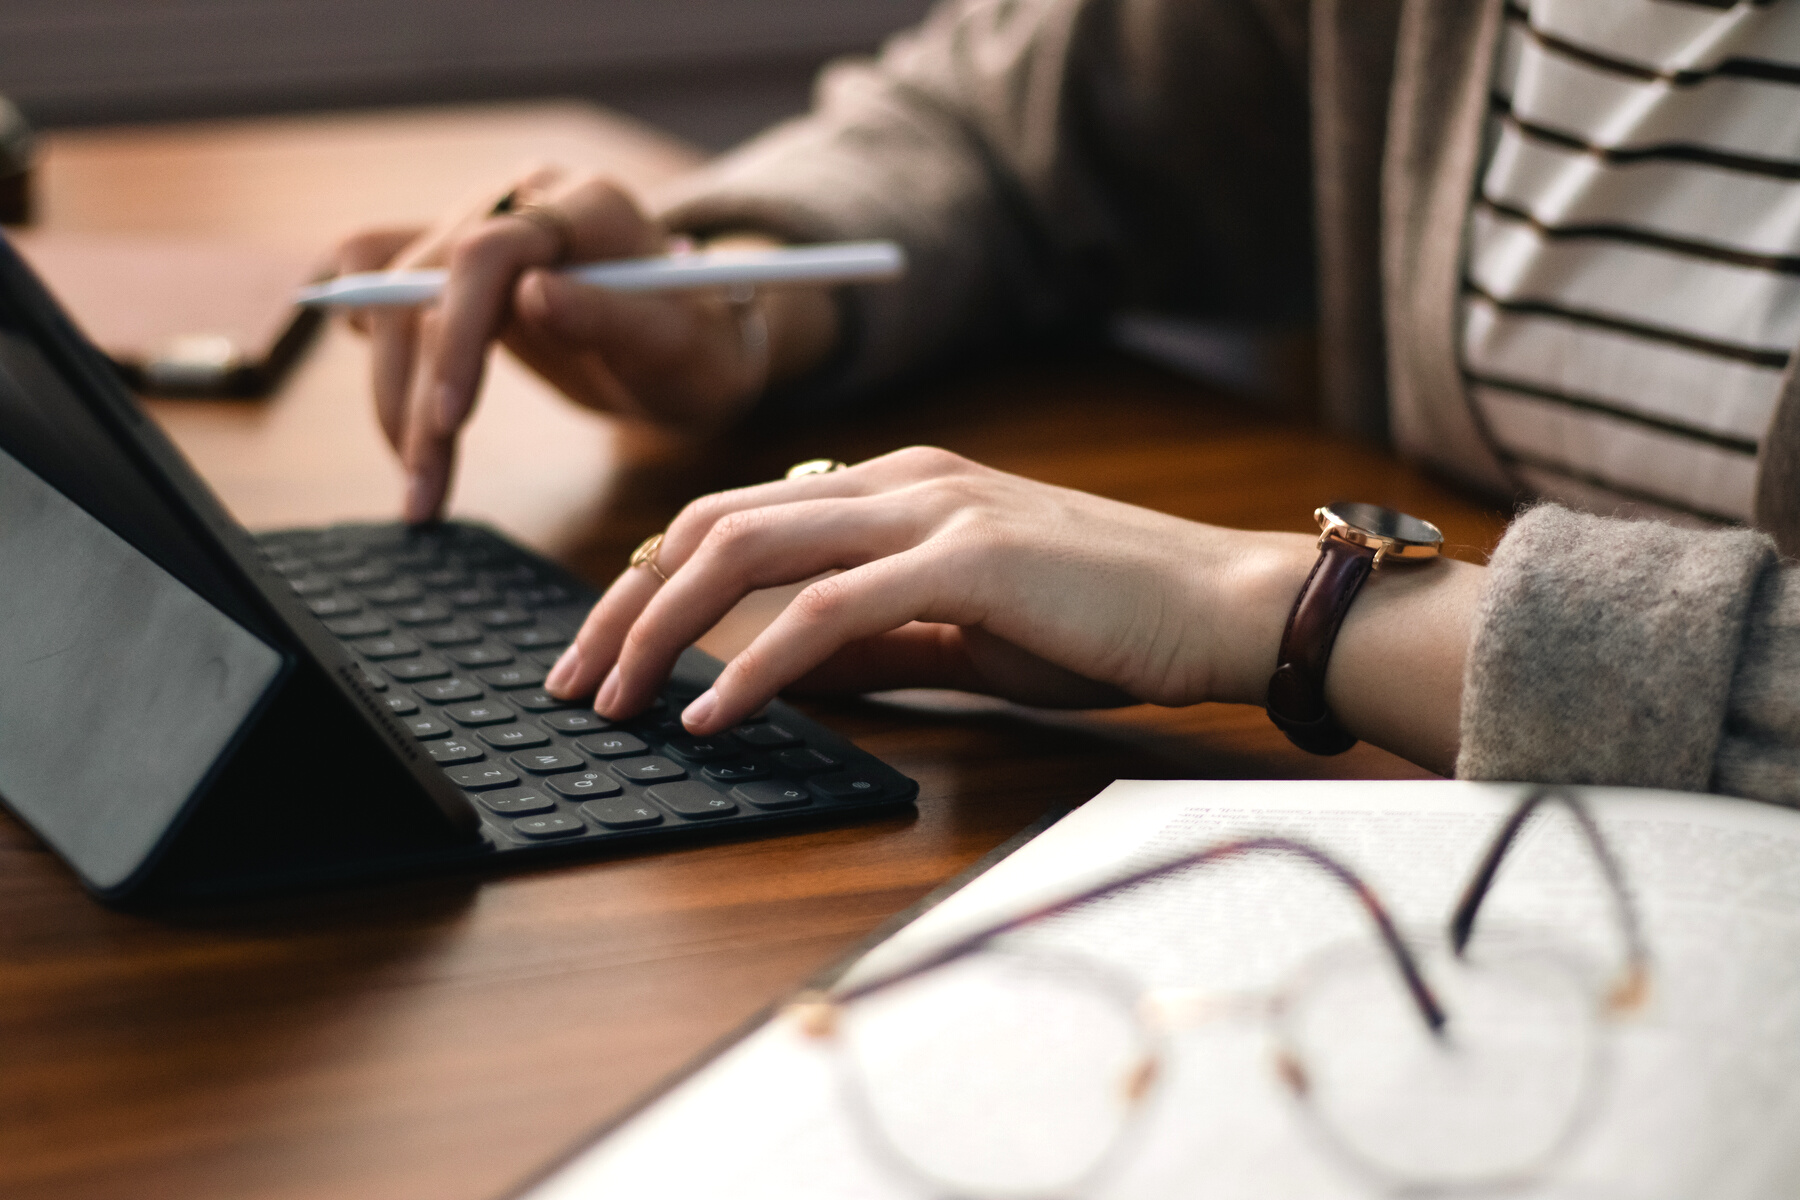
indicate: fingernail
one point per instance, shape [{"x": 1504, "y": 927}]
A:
[
  {"x": 564, "y": 671},
  {"x": 418, "y": 499},
  {"x": 697, "y": 714},
  {"x": 609, "y": 691}
]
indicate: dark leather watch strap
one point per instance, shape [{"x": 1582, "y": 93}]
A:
[{"x": 1296, "y": 699}]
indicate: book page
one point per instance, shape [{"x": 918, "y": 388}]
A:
[{"x": 1701, "y": 1095}]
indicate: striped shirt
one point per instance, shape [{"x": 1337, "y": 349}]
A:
[{"x": 1632, "y": 289}]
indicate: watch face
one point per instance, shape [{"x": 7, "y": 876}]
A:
[
  {"x": 1386, "y": 523},
  {"x": 1402, "y": 535}
]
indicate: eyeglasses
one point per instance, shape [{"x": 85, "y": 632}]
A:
[{"x": 998, "y": 1069}]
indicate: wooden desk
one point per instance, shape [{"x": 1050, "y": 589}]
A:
[{"x": 443, "y": 1038}]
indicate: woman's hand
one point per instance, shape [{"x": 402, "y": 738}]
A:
[
  {"x": 944, "y": 573},
  {"x": 947, "y": 574},
  {"x": 681, "y": 358}
]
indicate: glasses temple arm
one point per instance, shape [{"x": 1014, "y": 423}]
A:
[
  {"x": 1430, "y": 1010},
  {"x": 1462, "y": 921}
]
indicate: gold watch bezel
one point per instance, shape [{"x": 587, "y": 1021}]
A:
[{"x": 1331, "y": 525}]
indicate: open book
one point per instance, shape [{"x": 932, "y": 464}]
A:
[{"x": 1701, "y": 1095}]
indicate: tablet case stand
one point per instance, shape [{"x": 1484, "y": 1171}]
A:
[{"x": 171, "y": 719}]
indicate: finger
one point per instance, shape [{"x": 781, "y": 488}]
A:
[
  {"x": 370, "y": 250},
  {"x": 576, "y": 371},
  {"x": 426, "y": 453},
  {"x": 746, "y": 551},
  {"x": 825, "y": 617},
  {"x": 393, "y": 346},
  {"x": 578, "y": 671},
  {"x": 470, "y": 313}
]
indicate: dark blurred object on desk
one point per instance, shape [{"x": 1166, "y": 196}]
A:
[
  {"x": 180, "y": 316},
  {"x": 15, "y": 165}
]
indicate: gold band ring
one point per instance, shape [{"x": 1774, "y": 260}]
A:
[
  {"x": 552, "y": 220},
  {"x": 815, "y": 466},
  {"x": 645, "y": 555}
]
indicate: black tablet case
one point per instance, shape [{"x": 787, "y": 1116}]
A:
[{"x": 171, "y": 719}]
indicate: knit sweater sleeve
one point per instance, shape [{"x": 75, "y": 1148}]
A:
[{"x": 1634, "y": 652}]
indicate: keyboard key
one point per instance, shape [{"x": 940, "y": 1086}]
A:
[
  {"x": 395, "y": 645},
  {"x": 428, "y": 612},
  {"x": 444, "y": 577},
  {"x": 736, "y": 772},
  {"x": 454, "y": 750},
  {"x": 612, "y": 745},
  {"x": 312, "y": 585},
  {"x": 535, "y": 638},
  {"x": 483, "y": 712},
  {"x": 338, "y": 605},
  {"x": 707, "y": 749},
  {"x": 691, "y": 799},
  {"x": 368, "y": 576},
  {"x": 545, "y": 658},
  {"x": 584, "y": 785},
  {"x": 375, "y": 681},
  {"x": 513, "y": 802},
  {"x": 550, "y": 825},
  {"x": 290, "y": 568},
  {"x": 474, "y": 597},
  {"x": 773, "y": 795},
  {"x": 338, "y": 559},
  {"x": 649, "y": 769},
  {"x": 541, "y": 701},
  {"x": 846, "y": 785},
  {"x": 622, "y": 813},
  {"x": 415, "y": 560},
  {"x": 506, "y": 678},
  {"x": 504, "y": 618},
  {"x": 480, "y": 656},
  {"x": 765, "y": 736},
  {"x": 515, "y": 737},
  {"x": 548, "y": 761},
  {"x": 361, "y": 625},
  {"x": 575, "y": 721},
  {"x": 402, "y": 706},
  {"x": 517, "y": 575},
  {"x": 401, "y": 591},
  {"x": 448, "y": 691},
  {"x": 426, "y": 728},
  {"x": 412, "y": 670},
  {"x": 456, "y": 633},
  {"x": 806, "y": 762},
  {"x": 481, "y": 777}
]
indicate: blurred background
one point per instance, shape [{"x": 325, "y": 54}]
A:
[{"x": 711, "y": 71}]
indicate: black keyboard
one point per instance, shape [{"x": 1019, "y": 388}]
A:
[{"x": 457, "y": 627}]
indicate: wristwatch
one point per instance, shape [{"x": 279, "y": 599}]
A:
[{"x": 1354, "y": 539}]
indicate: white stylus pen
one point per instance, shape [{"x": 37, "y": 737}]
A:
[{"x": 830, "y": 262}]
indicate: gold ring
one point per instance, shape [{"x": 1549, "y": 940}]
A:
[
  {"x": 552, "y": 220},
  {"x": 645, "y": 555},
  {"x": 815, "y": 466}
]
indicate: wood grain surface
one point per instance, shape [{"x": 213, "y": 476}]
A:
[{"x": 446, "y": 1037}]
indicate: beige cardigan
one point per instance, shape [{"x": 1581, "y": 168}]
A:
[{"x": 1047, "y": 162}]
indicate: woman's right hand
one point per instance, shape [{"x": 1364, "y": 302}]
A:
[{"x": 681, "y": 359}]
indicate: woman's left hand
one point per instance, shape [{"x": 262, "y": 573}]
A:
[{"x": 945, "y": 573}]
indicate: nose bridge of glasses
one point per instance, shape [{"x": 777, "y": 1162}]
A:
[{"x": 1174, "y": 1009}]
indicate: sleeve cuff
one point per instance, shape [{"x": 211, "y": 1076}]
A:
[{"x": 1605, "y": 651}]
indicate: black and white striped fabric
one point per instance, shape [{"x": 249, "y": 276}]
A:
[{"x": 1633, "y": 281}]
